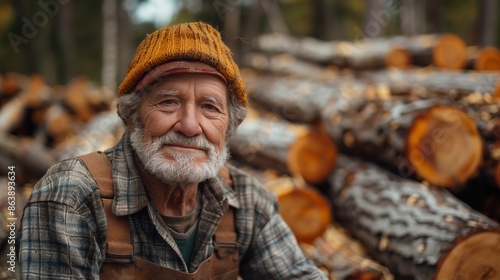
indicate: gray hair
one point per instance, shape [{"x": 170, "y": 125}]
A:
[{"x": 128, "y": 106}]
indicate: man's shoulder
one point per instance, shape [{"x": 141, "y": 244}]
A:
[
  {"x": 249, "y": 188},
  {"x": 67, "y": 182}
]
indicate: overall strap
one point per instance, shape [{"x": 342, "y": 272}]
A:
[
  {"x": 226, "y": 254},
  {"x": 119, "y": 250},
  {"x": 223, "y": 264}
]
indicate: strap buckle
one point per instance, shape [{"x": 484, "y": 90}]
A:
[
  {"x": 230, "y": 248},
  {"x": 119, "y": 258}
]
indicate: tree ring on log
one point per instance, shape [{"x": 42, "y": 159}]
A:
[
  {"x": 444, "y": 146},
  {"x": 488, "y": 59},
  {"x": 304, "y": 209},
  {"x": 475, "y": 257},
  {"x": 496, "y": 91},
  {"x": 312, "y": 156},
  {"x": 450, "y": 52},
  {"x": 398, "y": 58}
]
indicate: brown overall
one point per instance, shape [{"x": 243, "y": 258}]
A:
[{"x": 120, "y": 263}]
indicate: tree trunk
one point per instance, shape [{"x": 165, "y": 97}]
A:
[
  {"x": 324, "y": 22},
  {"x": 232, "y": 24},
  {"x": 64, "y": 34},
  {"x": 435, "y": 16},
  {"x": 110, "y": 44},
  {"x": 487, "y": 22},
  {"x": 274, "y": 15},
  {"x": 125, "y": 38},
  {"x": 412, "y": 229},
  {"x": 413, "y": 17},
  {"x": 252, "y": 27}
]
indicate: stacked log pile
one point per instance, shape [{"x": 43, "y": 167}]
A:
[
  {"x": 373, "y": 166},
  {"x": 424, "y": 140},
  {"x": 40, "y": 125}
]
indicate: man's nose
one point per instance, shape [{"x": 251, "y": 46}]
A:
[{"x": 188, "y": 122}]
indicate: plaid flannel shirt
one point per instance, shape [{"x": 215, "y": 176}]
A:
[{"x": 63, "y": 230}]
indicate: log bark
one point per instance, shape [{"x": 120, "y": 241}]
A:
[
  {"x": 445, "y": 51},
  {"x": 297, "y": 99},
  {"x": 291, "y": 149},
  {"x": 285, "y": 64},
  {"x": 31, "y": 158},
  {"x": 102, "y": 132},
  {"x": 308, "y": 214},
  {"x": 429, "y": 139},
  {"x": 422, "y": 138},
  {"x": 470, "y": 91},
  {"x": 449, "y": 84},
  {"x": 334, "y": 255},
  {"x": 409, "y": 227}
]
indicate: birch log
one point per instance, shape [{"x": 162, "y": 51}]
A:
[
  {"x": 290, "y": 149},
  {"x": 449, "y": 84},
  {"x": 483, "y": 58},
  {"x": 308, "y": 214},
  {"x": 335, "y": 255},
  {"x": 445, "y": 51},
  {"x": 431, "y": 139},
  {"x": 416, "y": 231}
]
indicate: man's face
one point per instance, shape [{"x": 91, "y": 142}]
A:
[{"x": 180, "y": 137}]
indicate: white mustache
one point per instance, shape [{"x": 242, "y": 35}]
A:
[{"x": 173, "y": 138}]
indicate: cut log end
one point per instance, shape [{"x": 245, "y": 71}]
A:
[
  {"x": 305, "y": 211},
  {"x": 496, "y": 91},
  {"x": 488, "y": 59},
  {"x": 444, "y": 147},
  {"x": 475, "y": 257},
  {"x": 312, "y": 157},
  {"x": 450, "y": 52},
  {"x": 398, "y": 58}
]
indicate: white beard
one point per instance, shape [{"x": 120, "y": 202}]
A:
[{"x": 181, "y": 170}]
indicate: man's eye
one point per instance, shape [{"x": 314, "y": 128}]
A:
[
  {"x": 209, "y": 107},
  {"x": 168, "y": 101}
]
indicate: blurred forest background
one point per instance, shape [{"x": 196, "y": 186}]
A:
[{"x": 61, "y": 39}]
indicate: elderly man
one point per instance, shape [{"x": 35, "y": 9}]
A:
[{"x": 163, "y": 203}]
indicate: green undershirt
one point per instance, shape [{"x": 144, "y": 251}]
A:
[{"x": 183, "y": 230}]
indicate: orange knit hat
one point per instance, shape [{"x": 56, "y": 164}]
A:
[{"x": 194, "y": 41}]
